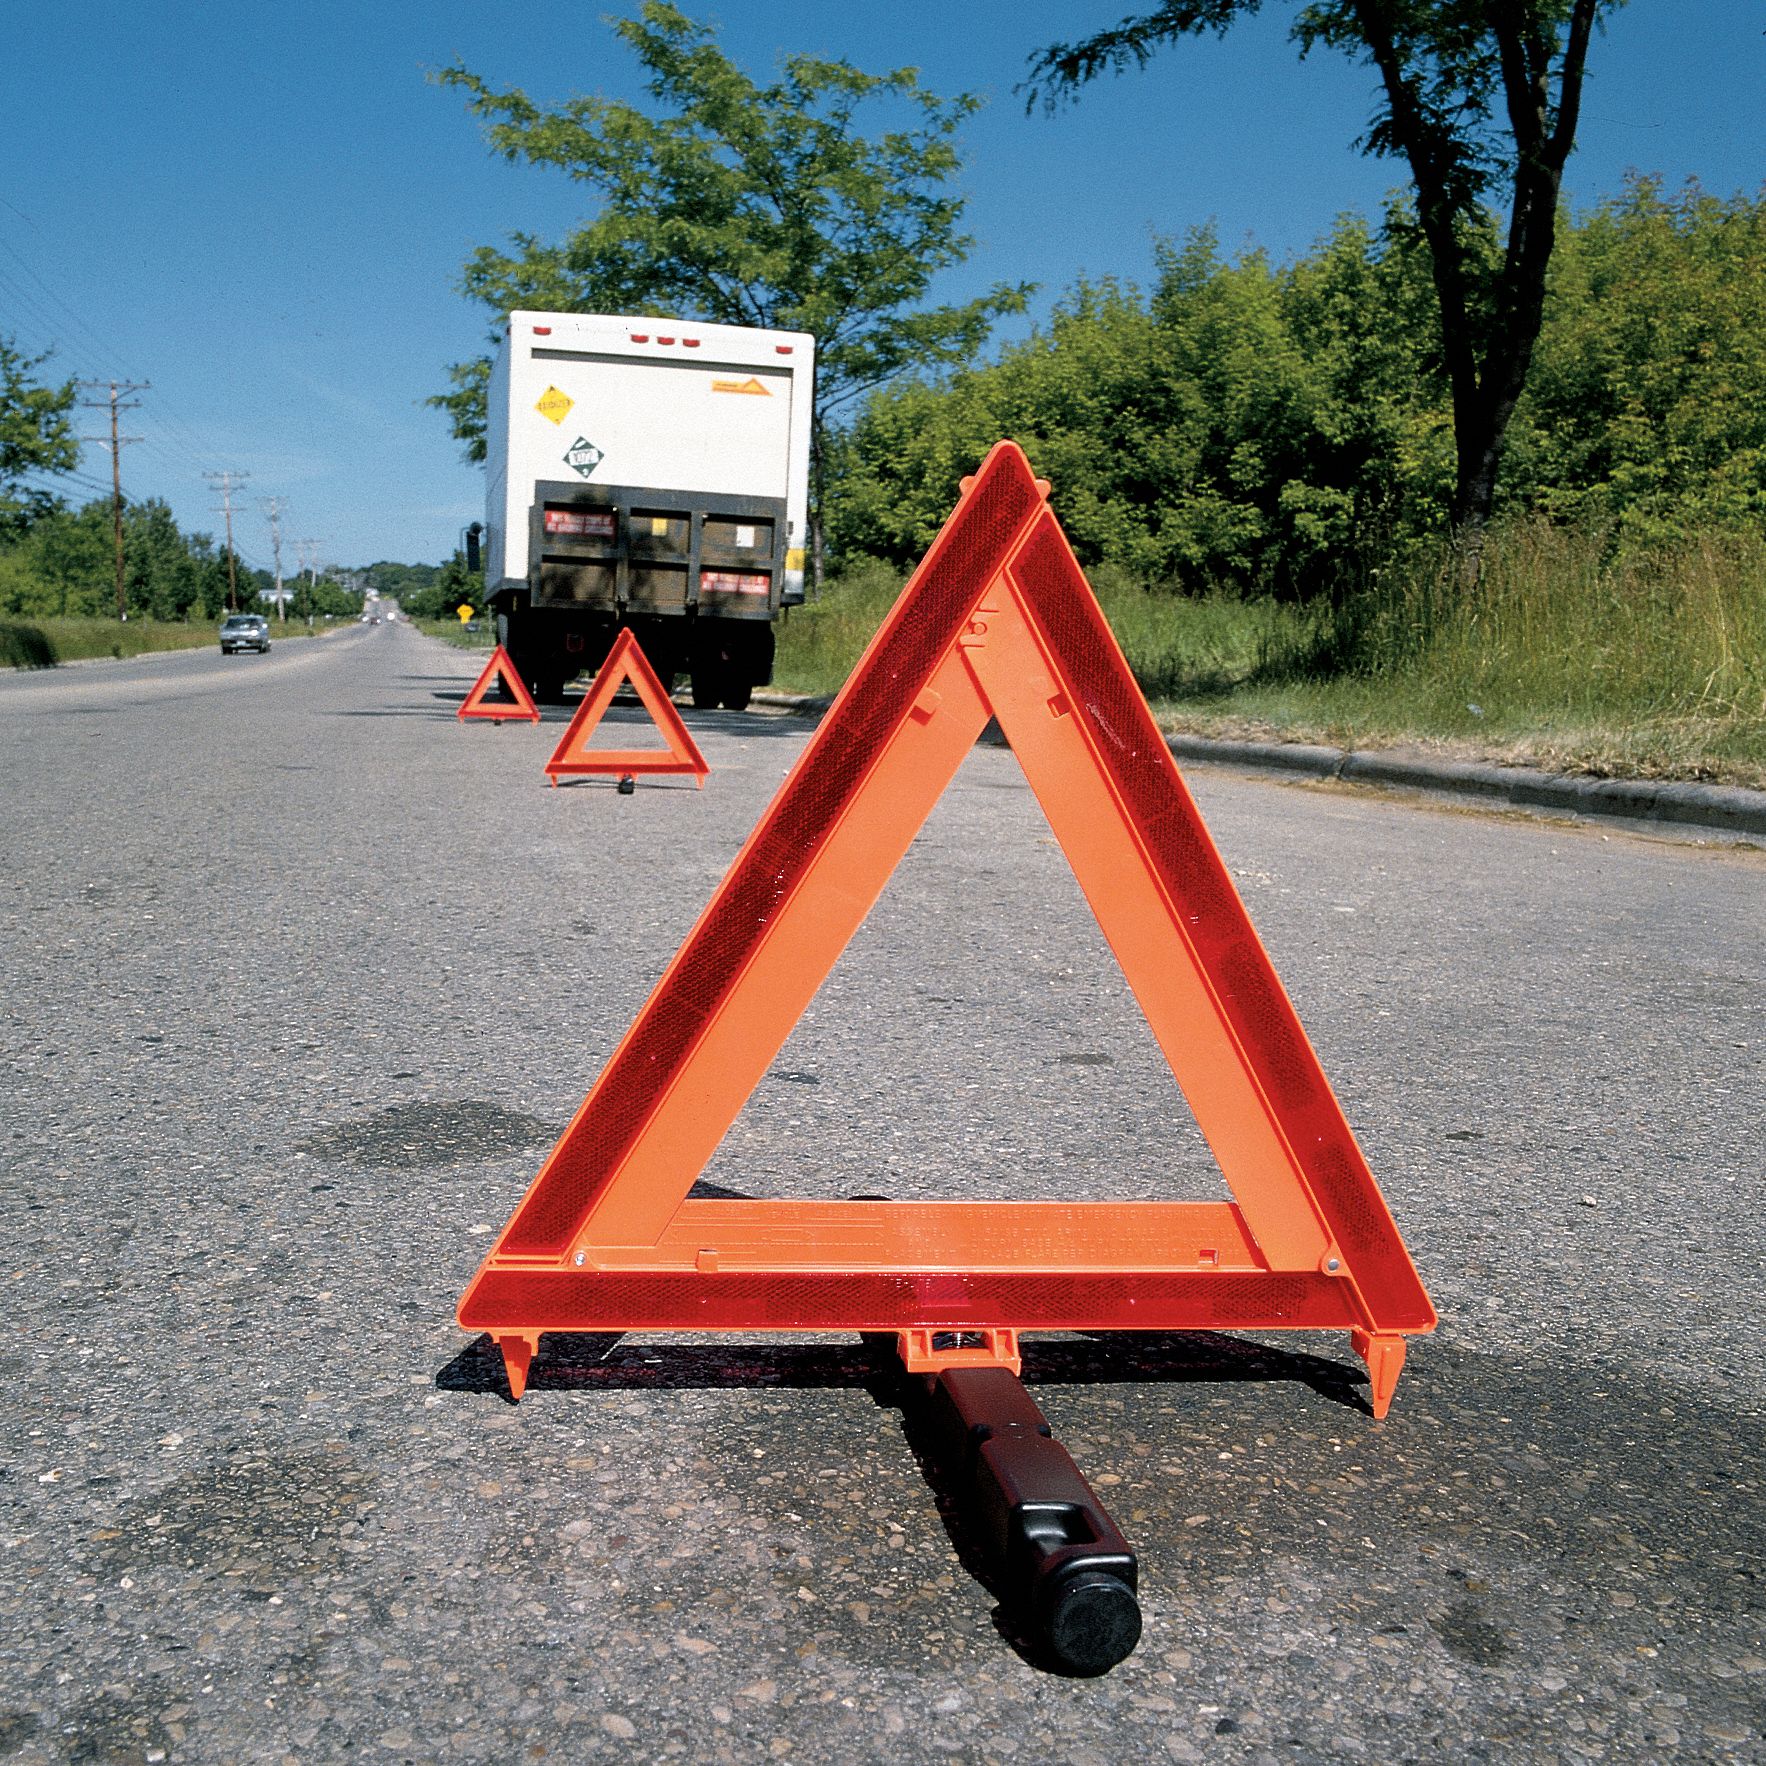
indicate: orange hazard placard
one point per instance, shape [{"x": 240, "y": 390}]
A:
[
  {"x": 626, "y": 662},
  {"x": 500, "y": 670},
  {"x": 997, "y": 621}
]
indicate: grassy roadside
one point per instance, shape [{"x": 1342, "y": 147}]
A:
[
  {"x": 450, "y": 631},
  {"x": 42, "y": 643},
  {"x": 1651, "y": 666}
]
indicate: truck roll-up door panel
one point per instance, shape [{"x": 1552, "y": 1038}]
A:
[{"x": 657, "y": 551}]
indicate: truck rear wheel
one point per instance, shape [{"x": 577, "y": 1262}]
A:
[
  {"x": 708, "y": 688},
  {"x": 736, "y": 694}
]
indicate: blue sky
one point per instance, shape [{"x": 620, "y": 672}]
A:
[{"x": 263, "y": 209}]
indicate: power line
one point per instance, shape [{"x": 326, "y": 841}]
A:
[
  {"x": 60, "y": 329},
  {"x": 73, "y": 318},
  {"x": 53, "y": 336},
  {"x": 117, "y": 444},
  {"x": 54, "y": 481},
  {"x": 39, "y": 331},
  {"x": 175, "y": 448}
]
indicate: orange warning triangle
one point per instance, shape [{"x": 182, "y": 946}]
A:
[
  {"x": 500, "y": 669},
  {"x": 997, "y": 621},
  {"x": 626, "y": 662}
]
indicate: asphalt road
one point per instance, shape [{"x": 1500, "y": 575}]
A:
[{"x": 299, "y": 978}]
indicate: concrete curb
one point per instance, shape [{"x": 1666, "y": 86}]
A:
[{"x": 1729, "y": 809}]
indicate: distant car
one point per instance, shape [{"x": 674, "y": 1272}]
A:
[{"x": 245, "y": 631}]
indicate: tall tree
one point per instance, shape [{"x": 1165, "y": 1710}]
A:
[
  {"x": 35, "y": 435},
  {"x": 744, "y": 204},
  {"x": 1474, "y": 95}
]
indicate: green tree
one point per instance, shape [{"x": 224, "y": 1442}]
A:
[
  {"x": 1287, "y": 429},
  {"x": 1647, "y": 400},
  {"x": 211, "y": 577},
  {"x": 64, "y": 564},
  {"x": 745, "y": 204},
  {"x": 161, "y": 580},
  {"x": 433, "y": 591},
  {"x": 400, "y": 580},
  {"x": 327, "y": 597},
  {"x": 1475, "y": 95},
  {"x": 1242, "y": 426},
  {"x": 73, "y": 553},
  {"x": 35, "y": 436}
]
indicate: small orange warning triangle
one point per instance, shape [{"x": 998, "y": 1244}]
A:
[
  {"x": 626, "y": 662},
  {"x": 998, "y": 621},
  {"x": 500, "y": 670}
]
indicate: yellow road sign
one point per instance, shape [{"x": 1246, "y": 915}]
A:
[
  {"x": 464, "y": 610},
  {"x": 554, "y": 405}
]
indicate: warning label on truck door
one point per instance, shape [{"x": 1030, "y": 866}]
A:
[
  {"x": 583, "y": 456},
  {"x": 750, "y": 385},
  {"x": 554, "y": 405}
]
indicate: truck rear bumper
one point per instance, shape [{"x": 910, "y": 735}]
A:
[{"x": 551, "y": 645}]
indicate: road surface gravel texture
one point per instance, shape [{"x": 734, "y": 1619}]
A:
[{"x": 301, "y": 976}]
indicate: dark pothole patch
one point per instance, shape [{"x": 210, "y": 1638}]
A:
[
  {"x": 17, "y": 1728},
  {"x": 117, "y": 1730},
  {"x": 270, "y": 1514},
  {"x": 409, "y": 1137},
  {"x": 1470, "y": 1636}
]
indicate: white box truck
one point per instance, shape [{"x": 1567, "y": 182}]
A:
[{"x": 648, "y": 473}]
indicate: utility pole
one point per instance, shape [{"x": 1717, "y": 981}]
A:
[
  {"x": 116, "y": 444},
  {"x": 273, "y": 508},
  {"x": 309, "y": 549},
  {"x": 227, "y": 478}
]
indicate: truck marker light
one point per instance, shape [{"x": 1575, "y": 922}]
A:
[
  {"x": 783, "y": 349},
  {"x": 542, "y": 331},
  {"x": 665, "y": 340},
  {"x": 691, "y": 343},
  {"x": 734, "y": 582},
  {"x": 640, "y": 337}
]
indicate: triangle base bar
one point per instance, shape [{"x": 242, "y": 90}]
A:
[
  {"x": 514, "y": 1301},
  {"x": 760, "y": 1236},
  {"x": 620, "y": 760}
]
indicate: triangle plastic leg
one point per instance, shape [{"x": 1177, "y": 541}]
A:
[
  {"x": 1384, "y": 1355},
  {"x": 518, "y": 1354}
]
